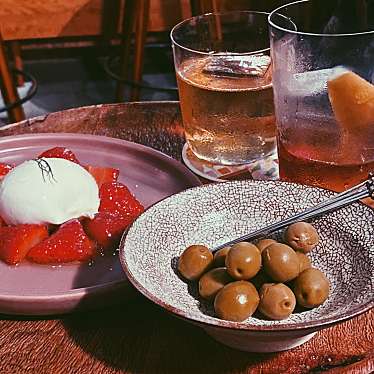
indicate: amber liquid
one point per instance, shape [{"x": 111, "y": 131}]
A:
[
  {"x": 302, "y": 164},
  {"x": 227, "y": 120}
]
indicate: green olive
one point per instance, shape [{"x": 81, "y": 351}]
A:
[
  {"x": 277, "y": 301},
  {"x": 212, "y": 281},
  {"x": 301, "y": 236},
  {"x": 311, "y": 288},
  {"x": 263, "y": 243},
  {"x": 280, "y": 262},
  {"x": 261, "y": 278},
  {"x": 243, "y": 261},
  {"x": 220, "y": 257},
  {"x": 194, "y": 261},
  {"x": 304, "y": 261},
  {"x": 236, "y": 301}
]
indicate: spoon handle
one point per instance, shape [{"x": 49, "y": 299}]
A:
[{"x": 358, "y": 192}]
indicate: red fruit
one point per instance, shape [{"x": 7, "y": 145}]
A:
[
  {"x": 116, "y": 198},
  {"x": 2, "y": 222},
  {"x": 103, "y": 175},
  {"x": 69, "y": 243},
  {"x": 5, "y": 169},
  {"x": 107, "y": 228},
  {"x": 16, "y": 241},
  {"x": 60, "y": 152}
]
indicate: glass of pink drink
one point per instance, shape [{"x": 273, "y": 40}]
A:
[{"x": 223, "y": 69}]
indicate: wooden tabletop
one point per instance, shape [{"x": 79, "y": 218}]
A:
[{"x": 136, "y": 336}]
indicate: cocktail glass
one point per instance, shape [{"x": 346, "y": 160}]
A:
[
  {"x": 324, "y": 99},
  {"x": 223, "y": 70}
]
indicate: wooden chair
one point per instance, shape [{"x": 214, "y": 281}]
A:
[
  {"x": 204, "y": 6},
  {"x": 8, "y": 88},
  {"x": 135, "y": 16}
]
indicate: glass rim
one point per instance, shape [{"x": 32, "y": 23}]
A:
[
  {"x": 258, "y": 51},
  {"x": 296, "y": 32}
]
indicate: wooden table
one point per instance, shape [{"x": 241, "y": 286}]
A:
[{"x": 136, "y": 336}]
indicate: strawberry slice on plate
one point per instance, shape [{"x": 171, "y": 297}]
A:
[
  {"x": 118, "y": 209},
  {"x": 69, "y": 243},
  {"x": 16, "y": 241},
  {"x": 5, "y": 169},
  {"x": 116, "y": 198},
  {"x": 103, "y": 175},
  {"x": 60, "y": 152},
  {"x": 107, "y": 228}
]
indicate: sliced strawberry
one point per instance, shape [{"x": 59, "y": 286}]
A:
[
  {"x": 2, "y": 222},
  {"x": 5, "y": 169},
  {"x": 59, "y": 152},
  {"x": 116, "y": 198},
  {"x": 103, "y": 175},
  {"x": 69, "y": 243},
  {"x": 16, "y": 241},
  {"x": 118, "y": 209},
  {"x": 107, "y": 228}
]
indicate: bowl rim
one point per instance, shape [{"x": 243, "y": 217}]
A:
[{"x": 218, "y": 323}]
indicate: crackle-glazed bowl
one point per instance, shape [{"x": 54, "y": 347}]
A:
[{"x": 214, "y": 214}]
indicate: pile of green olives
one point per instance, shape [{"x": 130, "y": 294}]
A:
[{"x": 267, "y": 276}]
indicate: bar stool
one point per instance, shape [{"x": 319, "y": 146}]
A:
[
  {"x": 8, "y": 88},
  {"x": 135, "y": 18},
  {"x": 136, "y": 15},
  {"x": 204, "y": 6}
]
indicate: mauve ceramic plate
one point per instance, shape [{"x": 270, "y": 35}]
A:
[
  {"x": 41, "y": 290},
  {"x": 215, "y": 214}
]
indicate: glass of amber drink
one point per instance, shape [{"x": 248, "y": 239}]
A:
[
  {"x": 324, "y": 96},
  {"x": 223, "y": 70}
]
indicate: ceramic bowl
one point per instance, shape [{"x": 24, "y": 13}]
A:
[{"x": 214, "y": 214}]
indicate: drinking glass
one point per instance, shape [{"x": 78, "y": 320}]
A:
[
  {"x": 223, "y": 70},
  {"x": 324, "y": 99}
]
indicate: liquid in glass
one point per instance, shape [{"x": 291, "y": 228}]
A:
[{"x": 227, "y": 107}]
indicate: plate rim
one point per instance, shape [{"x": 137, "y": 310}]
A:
[
  {"x": 217, "y": 323},
  {"x": 75, "y": 294}
]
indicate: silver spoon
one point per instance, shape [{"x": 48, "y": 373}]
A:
[{"x": 358, "y": 192}]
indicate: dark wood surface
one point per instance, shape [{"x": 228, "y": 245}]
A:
[{"x": 136, "y": 336}]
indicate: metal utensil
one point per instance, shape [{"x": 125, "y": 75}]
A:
[{"x": 358, "y": 192}]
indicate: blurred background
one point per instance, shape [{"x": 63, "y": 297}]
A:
[{"x": 74, "y": 52}]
